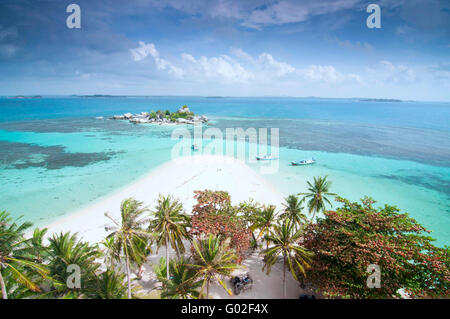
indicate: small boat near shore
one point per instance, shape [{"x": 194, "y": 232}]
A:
[
  {"x": 194, "y": 147},
  {"x": 304, "y": 162},
  {"x": 268, "y": 157}
]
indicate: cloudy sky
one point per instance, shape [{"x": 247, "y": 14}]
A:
[{"x": 227, "y": 48}]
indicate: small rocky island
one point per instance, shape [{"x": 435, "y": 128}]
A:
[{"x": 182, "y": 116}]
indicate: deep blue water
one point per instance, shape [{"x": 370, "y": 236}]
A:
[{"x": 431, "y": 115}]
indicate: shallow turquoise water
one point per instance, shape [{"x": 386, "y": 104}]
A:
[{"x": 55, "y": 157}]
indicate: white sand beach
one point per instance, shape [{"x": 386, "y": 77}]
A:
[{"x": 181, "y": 178}]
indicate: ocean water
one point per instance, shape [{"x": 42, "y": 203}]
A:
[{"x": 55, "y": 157}]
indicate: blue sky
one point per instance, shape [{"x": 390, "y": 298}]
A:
[{"x": 227, "y": 48}]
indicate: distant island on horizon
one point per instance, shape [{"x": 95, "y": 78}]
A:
[{"x": 214, "y": 97}]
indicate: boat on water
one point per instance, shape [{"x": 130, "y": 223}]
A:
[
  {"x": 195, "y": 147},
  {"x": 304, "y": 162},
  {"x": 268, "y": 157}
]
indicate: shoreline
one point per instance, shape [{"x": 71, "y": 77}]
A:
[{"x": 178, "y": 177}]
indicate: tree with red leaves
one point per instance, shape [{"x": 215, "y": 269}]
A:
[
  {"x": 356, "y": 235},
  {"x": 214, "y": 214}
]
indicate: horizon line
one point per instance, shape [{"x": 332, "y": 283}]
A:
[{"x": 223, "y": 96}]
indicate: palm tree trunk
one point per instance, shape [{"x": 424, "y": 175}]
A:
[
  {"x": 284, "y": 277},
  {"x": 207, "y": 289},
  {"x": 167, "y": 258},
  {"x": 2, "y": 283},
  {"x": 128, "y": 276},
  {"x": 312, "y": 218}
]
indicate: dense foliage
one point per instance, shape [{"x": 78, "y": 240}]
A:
[
  {"x": 332, "y": 254},
  {"x": 214, "y": 214},
  {"x": 346, "y": 241}
]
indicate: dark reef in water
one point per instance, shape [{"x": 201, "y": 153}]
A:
[
  {"x": 15, "y": 155},
  {"x": 427, "y": 181}
]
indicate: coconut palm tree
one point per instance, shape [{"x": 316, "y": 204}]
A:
[
  {"x": 143, "y": 250},
  {"x": 169, "y": 224},
  {"x": 15, "y": 255},
  {"x": 213, "y": 259},
  {"x": 38, "y": 249},
  {"x": 264, "y": 220},
  {"x": 128, "y": 232},
  {"x": 111, "y": 285},
  {"x": 316, "y": 196},
  {"x": 184, "y": 282},
  {"x": 66, "y": 249},
  {"x": 293, "y": 210},
  {"x": 284, "y": 238}
]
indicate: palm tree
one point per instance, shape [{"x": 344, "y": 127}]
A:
[
  {"x": 39, "y": 250},
  {"x": 184, "y": 282},
  {"x": 143, "y": 250},
  {"x": 317, "y": 195},
  {"x": 128, "y": 232},
  {"x": 293, "y": 210},
  {"x": 284, "y": 238},
  {"x": 15, "y": 255},
  {"x": 169, "y": 224},
  {"x": 213, "y": 259},
  {"x": 66, "y": 249},
  {"x": 264, "y": 220},
  {"x": 110, "y": 285}
]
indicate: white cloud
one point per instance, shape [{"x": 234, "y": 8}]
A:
[
  {"x": 223, "y": 68},
  {"x": 241, "y": 54},
  {"x": 396, "y": 73},
  {"x": 323, "y": 73},
  {"x": 242, "y": 68},
  {"x": 277, "y": 68},
  {"x": 145, "y": 50},
  {"x": 293, "y": 11}
]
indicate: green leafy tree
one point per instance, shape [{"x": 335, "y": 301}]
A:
[
  {"x": 213, "y": 259},
  {"x": 284, "y": 240},
  {"x": 128, "y": 233},
  {"x": 317, "y": 195},
  {"x": 16, "y": 256},
  {"x": 346, "y": 241},
  {"x": 214, "y": 214},
  {"x": 250, "y": 210},
  {"x": 169, "y": 224}
]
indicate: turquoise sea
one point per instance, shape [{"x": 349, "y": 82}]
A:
[{"x": 55, "y": 157}]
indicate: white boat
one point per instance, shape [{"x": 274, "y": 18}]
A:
[
  {"x": 304, "y": 162},
  {"x": 195, "y": 147},
  {"x": 268, "y": 157}
]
